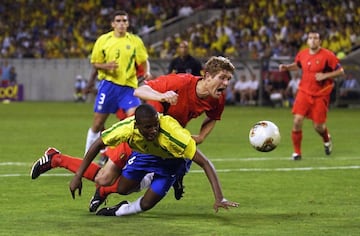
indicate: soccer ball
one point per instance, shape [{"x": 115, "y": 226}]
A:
[{"x": 264, "y": 136}]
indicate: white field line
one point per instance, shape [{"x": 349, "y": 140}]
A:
[
  {"x": 282, "y": 169},
  {"x": 219, "y": 170},
  {"x": 248, "y": 159}
]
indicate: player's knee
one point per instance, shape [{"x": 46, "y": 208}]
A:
[
  {"x": 103, "y": 180},
  {"x": 319, "y": 128}
]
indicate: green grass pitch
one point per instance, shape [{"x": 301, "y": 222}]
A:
[{"x": 316, "y": 196}]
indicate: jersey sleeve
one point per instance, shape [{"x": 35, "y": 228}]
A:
[
  {"x": 297, "y": 59},
  {"x": 119, "y": 154},
  {"x": 176, "y": 139},
  {"x": 333, "y": 60},
  {"x": 118, "y": 133},
  {"x": 165, "y": 83},
  {"x": 141, "y": 52},
  {"x": 96, "y": 54}
]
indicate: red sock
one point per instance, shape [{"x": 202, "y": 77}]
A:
[
  {"x": 106, "y": 190},
  {"x": 72, "y": 164},
  {"x": 296, "y": 137},
  {"x": 120, "y": 114},
  {"x": 325, "y": 136}
]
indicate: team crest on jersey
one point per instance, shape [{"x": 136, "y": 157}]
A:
[
  {"x": 128, "y": 47},
  {"x": 317, "y": 62}
]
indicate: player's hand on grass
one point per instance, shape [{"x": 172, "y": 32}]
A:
[
  {"x": 75, "y": 183},
  {"x": 224, "y": 204}
]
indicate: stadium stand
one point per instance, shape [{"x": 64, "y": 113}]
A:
[
  {"x": 253, "y": 32},
  {"x": 66, "y": 29}
]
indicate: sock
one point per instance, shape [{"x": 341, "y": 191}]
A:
[
  {"x": 129, "y": 209},
  {"x": 325, "y": 136},
  {"x": 120, "y": 114},
  {"x": 73, "y": 163},
  {"x": 90, "y": 138},
  {"x": 146, "y": 181},
  {"x": 296, "y": 137},
  {"x": 106, "y": 190}
]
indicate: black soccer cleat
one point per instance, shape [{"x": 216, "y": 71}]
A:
[
  {"x": 328, "y": 146},
  {"x": 178, "y": 187},
  {"x": 43, "y": 164},
  {"x": 296, "y": 157},
  {"x": 110, "y": 211},
  {"x": 96, "y": 201}
]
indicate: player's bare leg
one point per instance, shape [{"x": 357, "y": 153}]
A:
[{"x": 108, "y": 174}]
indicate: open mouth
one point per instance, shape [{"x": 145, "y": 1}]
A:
[{"x": 220, "y": 90}]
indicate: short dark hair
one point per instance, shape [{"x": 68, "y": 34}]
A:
[
  {"x": 314, "y": 32},
  {"x": 144, "y": 111},
  {"x": 118, "y": 13}
]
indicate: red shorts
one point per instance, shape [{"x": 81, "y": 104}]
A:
[
  {"x": 119, "y": 154},
  {"x": 314, "y": 108}
]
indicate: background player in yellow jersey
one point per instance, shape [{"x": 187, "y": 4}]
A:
[
  {"x": 160, "y": 144},
  {"x": 114, "y": 56}
]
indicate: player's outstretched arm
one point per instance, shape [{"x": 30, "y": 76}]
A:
[
  {"x": 206, "y": 128},
  {"x": 288, "y": 67},
  {"x": 90, "y": 86},
  {"x": 146, "y": 66},
  {"x": 76, "y": 182},
  {"x": 145, "y": 92},
  {"x": 210, "y": 171}
]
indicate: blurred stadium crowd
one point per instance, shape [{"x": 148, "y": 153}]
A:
[{"x": 247, "y": 29}]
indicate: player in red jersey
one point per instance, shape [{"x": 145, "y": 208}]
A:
[
  {"x": 319, "y": 66},
  {"x": 183, "y": 96}
]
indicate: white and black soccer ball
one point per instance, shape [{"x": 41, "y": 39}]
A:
[{"x": 264, "y": 136}]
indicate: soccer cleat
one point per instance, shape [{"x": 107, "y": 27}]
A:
[
  {"x": 110, "y": 211},
  {"x": 43, "y": 164},
  {"x": 328, "y": 146},
  {"x": 96, "y": 201},
  {"x": 296, "y": 157},
  {"x": 178, "y": 187}
]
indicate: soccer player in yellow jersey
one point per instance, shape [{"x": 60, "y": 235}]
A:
[
  {"x": 114, "y": 56},
  {"x": 159, "y": 145}
]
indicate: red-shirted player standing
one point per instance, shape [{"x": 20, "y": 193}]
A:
[{"x": 319, "y": 66}]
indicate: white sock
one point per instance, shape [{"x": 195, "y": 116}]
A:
[
  {"x": 146, "y": 181},
  {"x": 90, "y": 139},
  {"x": 129, "y": 209}
]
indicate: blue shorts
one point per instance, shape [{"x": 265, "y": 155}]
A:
[
  {"x": 185, "y": 167},
  {"x": 164, "y": 170},
  {"x": 112, "y": 97}
]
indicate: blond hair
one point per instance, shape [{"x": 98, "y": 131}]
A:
[{"x": 218, "y": 63}]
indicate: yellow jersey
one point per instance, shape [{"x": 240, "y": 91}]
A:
[
  {"x": 125, "y": 51},
  {"x": 173, "y": 140}
]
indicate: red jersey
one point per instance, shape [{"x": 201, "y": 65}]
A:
[
  {"x": 119, "y": 154},
  {"x": 323, "y": 61},
  {"x": 189, "y": 105}
]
